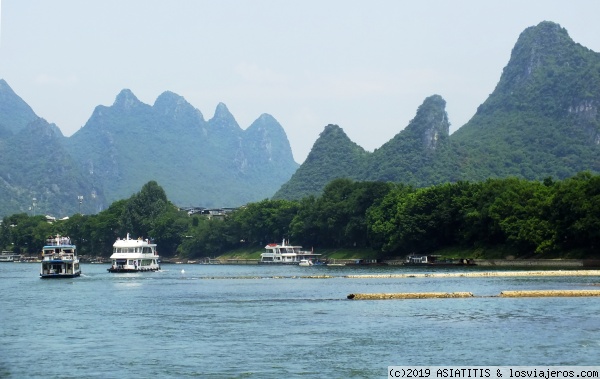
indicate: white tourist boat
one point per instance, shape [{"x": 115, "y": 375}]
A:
[
  {"x": 9, "y": 256},
  {"x": 284, "y": 253},
  {"x": 59, "y": 259},
  {"x": 134, "y": 255}
]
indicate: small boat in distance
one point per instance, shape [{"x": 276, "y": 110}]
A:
[
  {"x": 285, "y": 253},
  {"x": 366, "y": 262},
  {"x": 59, "y": 259},
  {"x": 305, "y": 262},
  {"x": 434, "y": 260},
  {"x": 134, "y": 255}
]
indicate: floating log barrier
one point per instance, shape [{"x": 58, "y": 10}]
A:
[
  {"x": 408, "y": 295},
  {"x": 454, "y": 295},
  {"x": 479, "y": 274},
  {"x": 317, "y": 277},
  {"x": 550, "y": 293},
  {"x": 269, "y": 277}
]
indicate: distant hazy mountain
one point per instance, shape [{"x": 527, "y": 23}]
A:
[
  {"x": 201, "y": 163},
  {"x": 15, "y": 114},
  {"x": 125, "y": 145},
  {"x": 37, "y": 174},
  {"x": 542, "y": 120}
]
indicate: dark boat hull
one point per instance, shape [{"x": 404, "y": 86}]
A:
[
  {"x": 279, "y": 263},
  {"x": 59, "y": 276},
  {"x": 131, "y": 270},
  {"x": 441, "y": 264}
]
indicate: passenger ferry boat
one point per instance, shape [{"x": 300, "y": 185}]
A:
[
  {"x": 59, "y": 259},
  {"x": 134, "y": 255},
  {"x": 285, "y": 253},
  {"x": 9, "y": 256}
]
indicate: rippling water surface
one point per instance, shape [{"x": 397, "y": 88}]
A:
[{"x": 269, "y": 322}]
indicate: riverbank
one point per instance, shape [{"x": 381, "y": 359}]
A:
[
  {"x": 501, "y": 256},
  {"x": 507, "y": 263},
  {"x": 538, "y": 262}
]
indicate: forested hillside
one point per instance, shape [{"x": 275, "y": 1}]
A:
[
  {"x": 210, "y": 163},
  {"x": 332, "y": 156},
  {"x": 540, "y": 121},
  {"x": 37, "y": 173}
]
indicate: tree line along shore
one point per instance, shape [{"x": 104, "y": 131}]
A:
[{"x": 493, "y": 219}]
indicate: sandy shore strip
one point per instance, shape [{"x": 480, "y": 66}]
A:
[{"x": 479, "y": 274}]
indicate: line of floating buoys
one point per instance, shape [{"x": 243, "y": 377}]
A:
[
  {"x": 408, "y": 295},
  {"x": 454, "y": 295},
  {"x": 479, "y": 274}
]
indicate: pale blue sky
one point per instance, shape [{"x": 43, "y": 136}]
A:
[{"x": 364, "y": 65}]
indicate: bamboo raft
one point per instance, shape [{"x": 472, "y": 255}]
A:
[
  {"x": 479, "y": 274},
  {"x": 408, "y": 295},
  {"x": 454, "y": 295},
  {"x": 550, "y": 293}
]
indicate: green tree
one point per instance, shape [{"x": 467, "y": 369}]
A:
[
  {"x": 382, "y": 222},
  {"x": 576, "y": 212},
  {"x": 143, "y": 209},
  {"x": 264, "y": 222}
]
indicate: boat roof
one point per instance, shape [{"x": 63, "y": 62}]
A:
[
  {"x": 284, "y": 243},
  {"x": 132, "y": 243},
  {"x": 275, "y": 246},
  {"x": 129, "y": 242}
]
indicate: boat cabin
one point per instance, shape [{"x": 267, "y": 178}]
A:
[
  {"x": 286, "y": 254},
  {"x": 59, "y": 258}
]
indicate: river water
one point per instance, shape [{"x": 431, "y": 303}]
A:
[{"x": 222, "y": 321}]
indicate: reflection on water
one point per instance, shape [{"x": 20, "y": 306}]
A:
[{"x": 272, "y": 322}]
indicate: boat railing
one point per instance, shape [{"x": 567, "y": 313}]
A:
[
  {"x": 59, "y": 257},
  {"x": 58, "y": 241}
]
